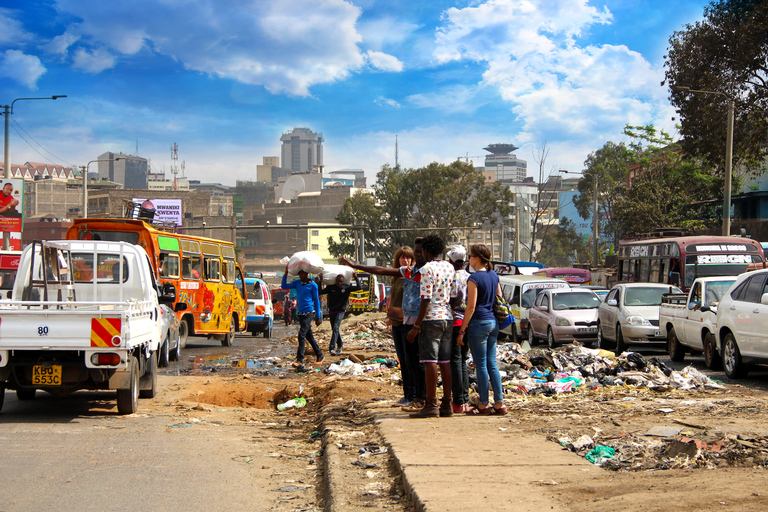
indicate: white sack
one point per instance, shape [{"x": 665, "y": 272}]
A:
[
  {"x": 331, "y": 271},
  {"x": 307, "y": 261}
]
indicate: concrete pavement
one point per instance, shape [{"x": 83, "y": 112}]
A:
[{"x": 478, "y": 462}]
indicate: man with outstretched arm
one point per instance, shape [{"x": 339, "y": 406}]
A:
[{"x": 308, "y": 305}]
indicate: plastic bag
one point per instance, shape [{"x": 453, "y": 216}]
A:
[
  {"x": 307, "y": 261},
  {"x": 331, "y": 271},
  {"x": 599, "y": 454},
  {"x": 296, "y": 403}
]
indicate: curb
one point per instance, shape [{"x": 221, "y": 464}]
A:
[{"x": 331, "y": 461}]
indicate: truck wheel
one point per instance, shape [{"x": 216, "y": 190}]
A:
[
  {"x": 128, "y": 399},
  {"x": 25, "y": 394},
  {"x": 228, "y": 338},
  {"x": 165, "y": 353},
  {"x": 268, "y": 332},
  {"x": 732, "y": 364},
  {"x": 149, "y": 378},
  {"x": 620, "y": 345},
  {"x": 711, "y": 357},
  {"x": 675, "y": 348},
  {"x": 550, "y": 338}
]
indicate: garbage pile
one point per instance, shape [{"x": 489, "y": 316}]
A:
[
  {"x": 373, "y": 367},
  {"x": 574, "y": 368}
]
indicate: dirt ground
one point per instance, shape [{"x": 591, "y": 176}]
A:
[{"x": 693, "y": 448}]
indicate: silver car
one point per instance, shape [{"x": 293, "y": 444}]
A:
[
  {"x": 563, "y": 316},
  {"x": 630, "y": 314}
]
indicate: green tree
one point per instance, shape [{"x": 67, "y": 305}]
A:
[
  {"x": 563, "y": 247},
  {"x": 413, "y": 202},
  {"x": 727, "y": 53}
]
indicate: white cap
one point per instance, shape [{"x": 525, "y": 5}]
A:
[{"x": 456, "y": 253}]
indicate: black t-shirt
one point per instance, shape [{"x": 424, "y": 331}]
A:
[{"x": 338, "y": 296}]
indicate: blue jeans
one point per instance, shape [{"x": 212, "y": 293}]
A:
[
  {"x": 483, "y": 335},
  {"x": 459, "y": 372},
  {"x": 336, "y": 341},
  {"x": 399, "y": 332},
  {"x": 305, "y": 332}
]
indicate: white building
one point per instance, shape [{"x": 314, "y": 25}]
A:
[
  {"x": 506, "y": 165},
  {"x": 302, "y": 150}
]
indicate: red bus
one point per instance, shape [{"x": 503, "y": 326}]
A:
[
  {"x": 569, "y": 275},
  {"x": 680, "y": 260}
]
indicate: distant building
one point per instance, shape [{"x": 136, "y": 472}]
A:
[
  {"x": 158, "y": 181},
  {"x": 129, "y": 171},
  {"x": 302, "y": 150},
  {"x": 507, "y": 167},
  {"x": 32, "y": 171},
  {"x": 264, "y": 171},
  {"x": 348, "y": 177}
]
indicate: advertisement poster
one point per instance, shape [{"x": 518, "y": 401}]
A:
[
  {"x": 11, "y": 204},
  {"x": 166, "y": 210}
]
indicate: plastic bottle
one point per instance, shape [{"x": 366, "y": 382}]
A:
[{"x": 296, "y": 403}]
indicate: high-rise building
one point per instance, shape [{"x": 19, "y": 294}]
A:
[
  {"x": 264, "y": 171},
  {"x": 129, "y": 171},
  {"x": 302, "y": 150},
  {"x": 506, "y": 165}
]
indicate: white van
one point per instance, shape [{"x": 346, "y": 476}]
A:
[{"x": 520, "y": 291}]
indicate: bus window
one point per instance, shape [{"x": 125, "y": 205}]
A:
[
  {"x": 169, "y": 264},
  {"x": 228, "y": 271},
  {"x": 212, "y": 269},
  {"x": 655, "y": 266},
  {"x": 644, "y": 268},
  {"x": 190, "y": 267}
]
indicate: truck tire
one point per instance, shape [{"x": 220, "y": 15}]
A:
[
  {"x": 711, "y": 357},
  {"x": 149, "y": 377},
  {"x": 25, "y": 394},
  {"x": 268, "y": 332},
  {"x": 620, "y": 345},
  {"x": 732, "y": 363},
  {"x": 228, "y": 338},
  {"x": 675, "y": 348},
  {"x": 128, "y": 399},
  {"x": 165, "y": 353}
]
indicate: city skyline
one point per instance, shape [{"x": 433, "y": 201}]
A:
[{"x": 448, "y": 78}]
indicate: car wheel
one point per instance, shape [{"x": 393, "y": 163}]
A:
[
  {"x": 176, "y": 352},
  {"x": 183, "y": 333},
  {"x": 675, "y": 348},
  {"x": 228, "y": 338},
  {"x": 532, "y": 341},
  {"x": 128, "y": 399},
  {"x": 620, "y": 345},
  {"x": 732, "y": 364},
  {"x": 550, "y": 338},
  {"x": 25, "y": 394},
  {"x": 268, "y": 332},
  {"x": 165, "y": 353},
  {"x": 602, "y": 343},
  {"x": 515, "y": 337},
  {"x": 711, "y": 357}
]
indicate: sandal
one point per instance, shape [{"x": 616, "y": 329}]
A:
[
  {"x": 500, "y": 410},
  {"x": 484, "y": 411},
  {"x": 297, "y": 364}
]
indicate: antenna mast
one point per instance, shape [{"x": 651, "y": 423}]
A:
[{"x": 174, "y": 164}]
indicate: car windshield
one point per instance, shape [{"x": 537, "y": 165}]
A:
[
  {"x": 575, "y": 301},
  {"x": 647, "y": 296}
]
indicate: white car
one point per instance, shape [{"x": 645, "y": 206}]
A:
[
  {"x": 742, "y": 324},
  {"x": 630, "y": 314}
]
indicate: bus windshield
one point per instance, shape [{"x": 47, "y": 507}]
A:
[{"x": 719, "y": 266}]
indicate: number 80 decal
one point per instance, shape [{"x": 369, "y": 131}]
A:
[{"x": 42, "y": 330}]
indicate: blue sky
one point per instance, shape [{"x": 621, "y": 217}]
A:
[{"x": 224, "y": 79}]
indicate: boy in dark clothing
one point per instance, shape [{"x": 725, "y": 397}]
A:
[{"x": 338, "y": 297}]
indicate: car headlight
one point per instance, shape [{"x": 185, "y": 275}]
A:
[
  {"x": 562, "y": 322},
  {"x": 637, "y": 320}
]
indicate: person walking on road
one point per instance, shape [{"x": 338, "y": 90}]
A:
[
  {"x": 338, "y": 298},
  {"x": 482, "y": 329},
  {"x": 288, "y": 309},
  {"x": 308, "y": 304}
]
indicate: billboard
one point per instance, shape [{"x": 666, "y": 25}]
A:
[
  {"x": 11, "y": 204},
  {"x": 166, "y": 210}
]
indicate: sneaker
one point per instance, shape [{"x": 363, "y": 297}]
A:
[{"x": 403, "y": 401}]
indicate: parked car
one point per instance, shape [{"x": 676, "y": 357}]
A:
[
  {"x": 742, "y": 324},
  {"x": 564, "y": 315},
  {"x": 520, "y": 292},
  {"x": 600, "y": 291},
  {"x": 630, "y": 314}
]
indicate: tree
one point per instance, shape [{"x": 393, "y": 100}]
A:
[
  {"x": 563, "y": 247},
  {"x": 545, "y": 197},
  {"x": 725, "y": 53},
  {"x": 412, "y": 202}
]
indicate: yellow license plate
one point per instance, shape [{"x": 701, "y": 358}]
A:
[{"x": 46, "y": 375}]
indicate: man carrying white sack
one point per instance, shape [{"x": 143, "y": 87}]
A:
[
  {"x": 338, "y": 298},
  {"x": 308, "y": 301}
]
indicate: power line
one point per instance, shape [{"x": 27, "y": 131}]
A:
[{"x": 16, "y": 123}]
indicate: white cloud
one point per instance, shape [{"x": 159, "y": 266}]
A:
[
  {"x": 285, "y": 46},
  {"x": 386, "y": 101},
  {"x": 25, "y": 69},
  {"x": 452, "y": 99},
  {"x": 61, "y": 43},
  {"x": 383, "y": 62},
  {"x": 382, "y": 32},
  {"x": 93, "y": 61},
  {"x": 11, "y": 30}
]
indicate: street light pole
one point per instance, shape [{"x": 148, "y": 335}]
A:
[
  {"x": 7, "y": 111},
  {"x": 85, "y": 181},
  {"x": 726, "y": 231}
]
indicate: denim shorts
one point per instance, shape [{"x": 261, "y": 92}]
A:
[{"x": 435, "y": 341}]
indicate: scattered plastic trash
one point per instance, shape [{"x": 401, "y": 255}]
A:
[
  {"x": 599, "y": 454},
  {"x": 295, "y": 403}
]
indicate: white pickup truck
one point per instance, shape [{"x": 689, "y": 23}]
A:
[
  {"x": 689, "y": 321},
  {"x": 83, "y": 315}
]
